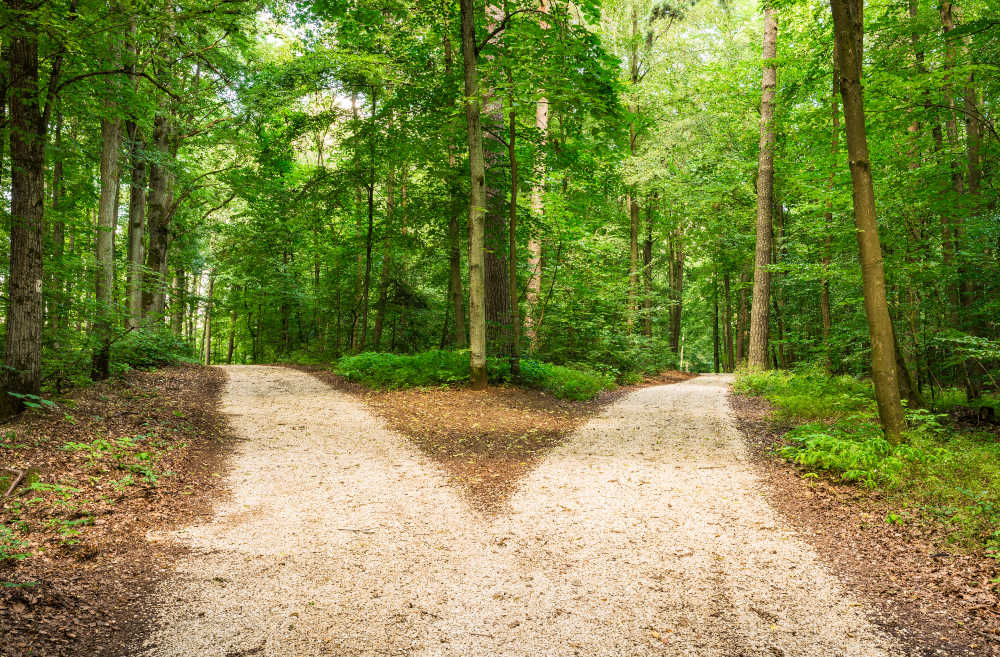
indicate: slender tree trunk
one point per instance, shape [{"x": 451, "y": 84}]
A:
[
  {"x": 715, "y": 324},
  {"x": 232, "y": 337},
  {"x": 742, "y": 319},
  {"x": 383, "y": 282},
  {"x": 178, "y": 302},
  {"x": 727, "y": 325},
  {"x": 676, "y": 288},
  {"x": 366, "y": 285},
  {"x": 158, "y": 221},
  {"x": 647, "y": 275},
  {"x": 765, "y": 199},
  {"x": 477, "y": 199},
  {"x": 455, "y": 281},
  {"x": 111, "y": 138},
  {"x": 136, "y": 226},
  {"x": 849, "y": 33},
  {"x": 208, "y": 318},
  {"x": 515, "y": 313},
  {"x": 58, "y": 295},
  {"x": 537, "y": 210}
]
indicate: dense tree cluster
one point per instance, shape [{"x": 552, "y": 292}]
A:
[{"x": 623, "y": 187}]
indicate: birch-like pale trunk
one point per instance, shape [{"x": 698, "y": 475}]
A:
[{"x": 477, "y": 200}]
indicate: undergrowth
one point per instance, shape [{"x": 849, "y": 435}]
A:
[
  {"x": 441, "y": 367},
  {"x": 941, "y": 472}
]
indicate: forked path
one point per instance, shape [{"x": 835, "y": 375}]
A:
[{"x": 643, "y": 534}]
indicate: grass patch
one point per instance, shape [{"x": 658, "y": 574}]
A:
[
  {"x": 942, "y": 472},
  {"x": 440, "y": 367}
]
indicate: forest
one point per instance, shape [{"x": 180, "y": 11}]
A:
[
  {"x": 328, "y": 256},
  {"x": 659, "y": 184}
]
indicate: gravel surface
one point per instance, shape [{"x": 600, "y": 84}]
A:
[{"x": 643, "y": 534}]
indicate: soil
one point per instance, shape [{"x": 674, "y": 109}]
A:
[
  {"x": 487, "y": 440},
  {"x": 934, "y": 600},
  {"x": 84, "y": 595}
]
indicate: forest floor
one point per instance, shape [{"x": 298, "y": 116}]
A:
[
  {"x": 643, "y": 533},
  {"x": 934, "y": 599},
  {"x": 113, "y": 461},
  {"x": 445, "y": 522}
]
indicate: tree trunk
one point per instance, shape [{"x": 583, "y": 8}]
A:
[
  {"x": 477, "y": 200},
  {"x": 647, "y": 275},
  {"x": 727, "y": 325},
  {"x": 848, "y": 32},
  {"x": 57, "y": 314},
  {"x": 537, "y": 209},
  {"x": 111, "y": 138},
  {"x": 158, "y": 221},
  {"x": 765, "y": 199},
  {"x": 232, "y": 337},
  {"x": 383, "y": 281},
  {"x": 178, "y": 302},
  {"x": 715, "y": 324},
  {"x": 23, "y": 340},
  {"x": 208, "y": 318},
  {"x": 676, "y": 288},
  {"x": 742, "y": 319},
  {"x": 515, "y": 313},
  {"x": 136, "y": 225}
]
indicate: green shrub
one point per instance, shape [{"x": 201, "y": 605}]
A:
[
  {"x": 940, "y": 472},
  {"x": 144, "y": 349},
  {"x": 11, "y": 547},
  {"x": 439, "y": 367}
]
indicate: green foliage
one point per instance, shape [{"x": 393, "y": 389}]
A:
[
  {"x": 441, "y": 367},
  {"x": 151, "y": 348},
  {"x": 125, "y": 453},
  {"x": 941, "y": 472},
  {"x": 12, "y": 548}
]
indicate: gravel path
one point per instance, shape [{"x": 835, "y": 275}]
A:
[{"x": 644, "y": 534}]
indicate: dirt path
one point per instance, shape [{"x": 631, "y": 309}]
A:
[{"x": 644, "y": 534}]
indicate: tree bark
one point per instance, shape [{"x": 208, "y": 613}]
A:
[
  {"x": 208, "y": 319},
  {"x": 742, "y": 319},
  {"x": 676, "y": 288},
  {"x": 178, "y": 302},
  {"x": 715, "y": 324},
  {"x": 537, "y": 209},
  {"x": 727, "y": 325},
  {"x": 383, "y": 281},
  {"x": 647, "y": 275},
  {"x": 136, "y": 226},
  {"x": 28, "y": 128},
  {"x": 158, "y": 221},
  {"x": 765, "y": 199},
  {"x": 477, "y": 199},
  {"x": 849, "y": 34},
  {"x": 111, "y": 137},
  {"x": 515, "y": 314}
]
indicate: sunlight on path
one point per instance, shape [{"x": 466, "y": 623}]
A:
[{"x": 642, "y": 535}]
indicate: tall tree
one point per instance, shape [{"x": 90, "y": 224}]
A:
[
  {"x": 759, "y": 307},
  {"x": 848, "y": 23},
  {"x": 477, "y": 198}
]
